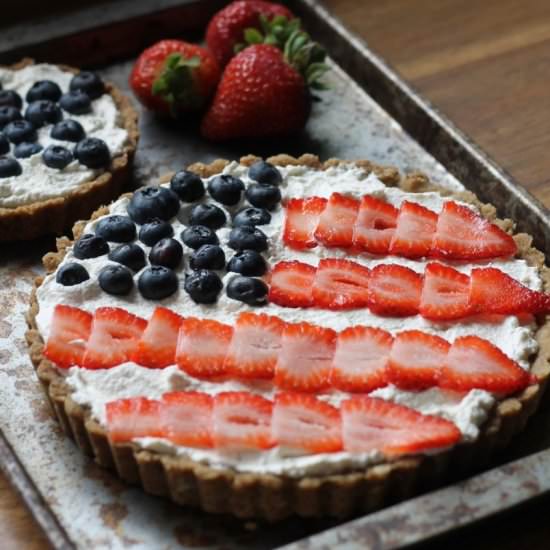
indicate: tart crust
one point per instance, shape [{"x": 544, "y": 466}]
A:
[
  {"x": 56, "y": 215},
  {"x": 274, "y": 497}
]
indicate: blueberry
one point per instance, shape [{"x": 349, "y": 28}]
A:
[
  {"x": 8, "y": 114},
  {"x": 187, "y": 185},
  {"x": 76, "y": 102},
  {"x": 203, "y": 286},
  {"x": 25, "y": 149},
  {"x": 167, "y": 252},
  {"x": 247, "y": 262},
  {"x": 264, "y": 172},
  {"x": 251, "y": 216},
  {"x": 56, "y": 156},
  {"x": 157, "y": 282},
  {"x": 19, "y": 131},
  {"x": 89, "y": 82},
  {"x": 196, "y": 236},
  {"x": 90, "y": 246},
  {"x": 248, "y": 290},
  {"x": 226, "y": 189},
  {"x": 207, "y": 214},
  {"x": 43, "y": 89},
  {"x": 68, "y": 130},
  {"x": 93, "y": 153},
  {"x": 4, "y": 144},
  {"x": 263, "y": 196},
  {"x": 208, "y": 256},
  {"x": 247, "y": 236},
  {"x": 116, "y": 228},
  {"x": 71, "y": 274},
  {"x": 11, "y": 99},
  {"x": 116, "y": 279},
  {"x": 43, "y": 112},
  {"x": 153, "y": 202},
  {"x": 155, "y": 230},
  {"x": 9, "y": 167},
  {"x": 130, "y": 255}
]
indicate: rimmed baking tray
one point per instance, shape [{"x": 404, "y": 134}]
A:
[{"x": 369, "y": 112}]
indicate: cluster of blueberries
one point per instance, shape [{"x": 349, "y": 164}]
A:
[
  {"x": 152, "y": 207},
  {"x": 46, "y": 104}
]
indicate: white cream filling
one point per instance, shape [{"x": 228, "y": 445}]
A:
[{"x": 37, "y": 181}]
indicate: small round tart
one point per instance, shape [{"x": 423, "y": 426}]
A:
[
  {"x": 67, "y": 140},
  {"x": 287, "y": 427}
]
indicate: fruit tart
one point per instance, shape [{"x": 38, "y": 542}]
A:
[
  {"x": 66, "y": 143},
  {"x": 269, "y": 338}
]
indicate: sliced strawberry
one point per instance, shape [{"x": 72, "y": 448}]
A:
[
  {"x": 113, "y": 338},
  {"x": 416, "y": 360},
  {"x": 291, "y": 284},
  {"x": 493, "y": 291},
  {"x": 370, "y": 424},
  {"x": 337, "y": 220},
  {"x": 360, "y": 359},
  {"x": 394, "y": 290},
  {"x": 242, "y": 420},
  {"x": 414, "y": 232},
  {"x": 69, "y": 330},
  {"x": 462, "y": 234},
  {"x": 445, "y": 293},
  {"x": 340, "y": 284},
  {"x": 473, "y": 362},
  {"x": 187, "y": 418},
  {"x": 303, "y": 423},
  {"x": 305, "y": 358},
  {"x": 133, "y": 417},
  {"x": 202, "y": 347},
  {"x": 255, "y": 346},
  {"x": 157, "y": 345},
  {"x": 301, "y": 220},
  {"x": 375, "y": 225}
]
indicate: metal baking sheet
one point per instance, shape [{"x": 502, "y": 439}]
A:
[{"x": 81, "y": 505}]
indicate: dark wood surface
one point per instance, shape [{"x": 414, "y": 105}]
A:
[{"x": 486, "y": 65}]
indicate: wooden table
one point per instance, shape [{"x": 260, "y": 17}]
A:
[{"x": 486, "y": 65}]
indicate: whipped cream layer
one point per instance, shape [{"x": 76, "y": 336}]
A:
[
  {"x": 37, "y": 181},
  {"x": 513, "y": 335}
]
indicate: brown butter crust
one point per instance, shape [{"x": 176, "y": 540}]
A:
[
  {"x": 274, "y": 497},
  {"x": 54, "y": 216}
]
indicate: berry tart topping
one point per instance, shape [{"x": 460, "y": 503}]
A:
[
  {"x": 43, "y": 112},
  {"x": 116, "y": 279},
  {"x": 4, "y": 144},
  {"x": 247, "y": 262},
  {"x": 196, "y": 236},
  {"x": 248, "y": 290},
  {"x": 25, "y": 150},
  {"x": 43, "y": 89},
  {"x": 291, "y": 284},
  {"x": 226, "y": 189},
  {"x": 375, "y": 225},
  {"x": 76, "y": 102},
  {"x": 208, "y": 256},
  {"x": 8, "y": 114},
  {"x": 19, "y": 131},
  {"x": 167, "y": 252},
  {"x": 71, "y": 273},
  {"x": 9, "y": 167},
  {"x": 116, "y": 228},
  {"x": 247, "y": 237},
  {"x": 263, "y": 195},
  {"x": 56, "y": 156},
  {"x": 264, "y": 172},
  {"x": 135, "y": 417},
  {"x": 251, "y": 216},
  {"x": 301, "y": 221},
  {"x": 88, "y": 82},
  {"x": 187, "y": 185},
  {"x": 157, "y": 282},
  {"x": 90, "y": 246},
  {"x": 154, "y": 230},
  {"x": 208, "y": 215},
  {"x": 336, "y": 223},
  {"x": 152, "y": 202},
  {"x": 68, "y": 130},
  {"x": 10, "y": 98},
  {"x": 131, "y": 255},
  {"x": 203, "y": 286},
  {"x": 93, "y": 153}
]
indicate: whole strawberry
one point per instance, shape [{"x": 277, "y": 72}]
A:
[
  {"x": 173, "y": 77},
  {"x": 226, "y": 29}
]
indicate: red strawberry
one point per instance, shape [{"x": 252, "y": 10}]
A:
[
  {"x": 113, "y": 338},
  {"x": 337, "y": 220},
  {"x": 493, "y": 291},
  {"x": 301, "y": 220},
  {"x": 340, "y": 284},
  {"x": 173, "y": 77},
  {"x": 255, "y": 346},
  {"x": 445, "y": 293},
  {"x": 187, "y": 418},
  {"x": 305, "y": 358},
  {"x": 370, "y": 424},
  {"x": 303, "y": 423},
  {"x": 242, "y": 420},
  {"x": 416, "y": 360},
  {"x": 133, "y": 417},
  {"x": 291, "y": 284},
  {"x": 394, "y": 290},
  {"x": 360, "y": 359},
  {"x": 69, "y": 330},
  {"x": 202, "y": 347},
  {"x": 476, "y": 363},
  {"x": 375, "y": 225},
  {"x": 226, "y": 28},
  {"x": 157, "y": 346},
  {"x": 462, "y": 234},
  {"x": 414, "y": 232}
]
